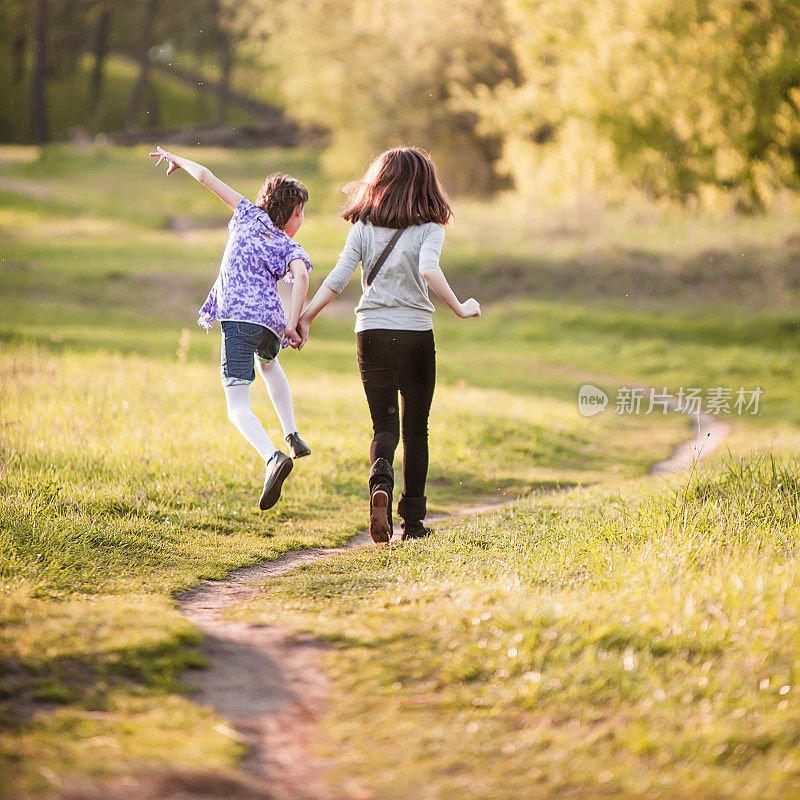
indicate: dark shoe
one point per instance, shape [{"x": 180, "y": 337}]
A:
[
  {"x": 414, "y": 530},
  {"x": 380, "y": 510},
  {"x": 278, "y": 469},
  {"x": 297, "y": 447},
  {"x": 413, "y": 510}
]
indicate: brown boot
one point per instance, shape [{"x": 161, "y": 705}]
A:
[{"x": 381, "y": 483}]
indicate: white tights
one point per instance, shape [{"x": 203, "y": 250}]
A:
[
  {"x": 279, "y": 393},
  {"x": 240, "y": 412},
  {"x": 247, "y": 423}
]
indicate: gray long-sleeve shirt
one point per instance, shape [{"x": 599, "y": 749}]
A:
[{"x": 398, "y": 298}]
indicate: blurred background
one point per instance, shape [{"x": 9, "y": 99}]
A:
[
  {"x": 644, "y": 154},
  {"x": 686, "y": 101},
  {"x": 593, "y": 147}
]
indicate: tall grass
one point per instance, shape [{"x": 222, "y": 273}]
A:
[{"x": 633, "y": 642}]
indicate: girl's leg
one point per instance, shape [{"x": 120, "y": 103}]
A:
[
  {"x": 417, "y": 383},
  {"x": 377, "y": 355},
  {"x": 247, "y": 423},
  {"x": 377, "y": 363},
  {"x": 279, "y": 393},
  {"x": 240, "y": 341}
]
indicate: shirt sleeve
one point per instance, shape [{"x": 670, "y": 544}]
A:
[
  {"x": 292, "y": 252},
  {"x": 348, "y": 262},
  {"x": 244, "y": 210},
  {"x": 246, "y": 213},
  {"x": 431, "y": 248}
]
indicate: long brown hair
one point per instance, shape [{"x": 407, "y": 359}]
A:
[
  {"x": 279, "y": 197},
  {"x": 400, "y": 189}
]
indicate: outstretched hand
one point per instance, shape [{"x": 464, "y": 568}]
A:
[{"x": 163, "y": 155}]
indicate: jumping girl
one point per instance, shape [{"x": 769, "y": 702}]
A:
[
  {"x": 245, "y": 300},
  {"x": 398, "y": 212}
]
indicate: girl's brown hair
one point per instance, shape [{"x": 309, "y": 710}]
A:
[
  {"x": 400, "y": 189},
  {"x": 279, "y": 196}
]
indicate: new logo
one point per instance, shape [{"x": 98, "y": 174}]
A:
[{"x": 591, "y": 400}]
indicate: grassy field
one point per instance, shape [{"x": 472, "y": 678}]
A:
[
  {"x": 608, "y": 643},
  {"x": 69, "y": 106},
  {"x": 122, "y": 482}
]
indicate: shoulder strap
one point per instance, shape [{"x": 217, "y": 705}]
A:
[{"x": 383, "y": 256}]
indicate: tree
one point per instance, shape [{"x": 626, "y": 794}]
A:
[
  {"x": 225, "y": 54},
  {"x": 39, "y": 127},
  {"x": 100, "y": 48},
  {"x": 376, "y": 75},
  {"x": 689, "y": 100},
  {"x": 145, "y": 43}
]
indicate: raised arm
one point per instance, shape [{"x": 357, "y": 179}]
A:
[
  {"x": 436, "y": 280},
  {"x": 432, "y": 273},
  {"x": 229, "y": 196}
]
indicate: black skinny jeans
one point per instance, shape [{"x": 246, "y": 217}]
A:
[{"x": 404, "y": 361}]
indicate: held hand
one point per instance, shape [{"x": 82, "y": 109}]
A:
[
  {"x": 163, "y": 155},
  {"x": 292, "y": 337},
  {"x": 470, "y": 308},
  {"x": 302, "y": 329}
]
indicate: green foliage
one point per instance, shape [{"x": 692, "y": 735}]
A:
[
  {"x": 70, "y": 107},
  {"x": 379, "y": 75},
  {"x": 195, "y": 32},
  {"x": 695, "y": 102},
  {"x": 690, "y": 101}
]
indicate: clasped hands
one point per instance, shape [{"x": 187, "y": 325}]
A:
[{"x": 297, "y": 337}]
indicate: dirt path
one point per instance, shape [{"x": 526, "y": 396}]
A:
[
  {"x": 264, "y": 679},
  {"x": 267, "y": 681},
  {"x": 709, "y": 434}
]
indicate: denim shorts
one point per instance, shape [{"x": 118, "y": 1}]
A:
[{"x": 242, "y": 343}]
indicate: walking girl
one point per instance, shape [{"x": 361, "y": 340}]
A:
[
  {"x": 398, "y": 212},
  {"x": 245, "y": 300}
]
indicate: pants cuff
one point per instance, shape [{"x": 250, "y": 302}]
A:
[{"x": 412, "y": 509}]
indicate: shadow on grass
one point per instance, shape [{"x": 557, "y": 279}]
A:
[
  {"x": 32, "y": 686},
  {"x": 636, "y": 276},
  {"x": 171, "y": 785},
  {"x": 464, "y": 488}
]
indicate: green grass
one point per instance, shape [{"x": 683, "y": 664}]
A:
[
  {"x": 68, "y": 100},
  {"x": 121, "y": 482},
  {"x": 618, "y": 642},
  {"x": 120, "y": 474}
]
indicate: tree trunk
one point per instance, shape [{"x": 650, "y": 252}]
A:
[
  {"x": 224, "y": 84},
  {"x": 101, "y": 36},
  {"x": 153, "y": 107},
  {"x": 39, "y": 130},
  {"x": 145, "y": 42},
  {"x": 20, "y": 42}
]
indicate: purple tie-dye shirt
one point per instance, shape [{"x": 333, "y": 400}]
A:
[{"x": 256, "y": 257}]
